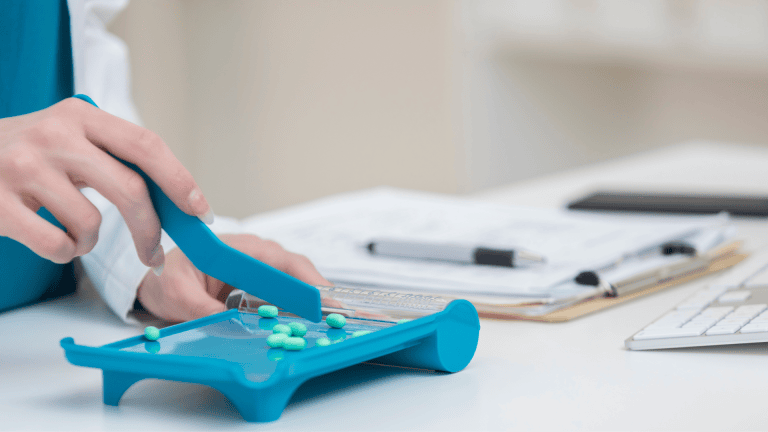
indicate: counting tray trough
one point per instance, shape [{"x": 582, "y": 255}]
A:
[{"x": 228, "y": 352}]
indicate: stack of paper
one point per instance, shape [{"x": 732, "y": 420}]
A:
[{"x": 333, "y": 233}]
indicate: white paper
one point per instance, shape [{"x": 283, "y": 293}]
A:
[{"x": 333, "y": 233}]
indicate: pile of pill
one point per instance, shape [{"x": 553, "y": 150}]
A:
[{"x": 290, "y": 337}]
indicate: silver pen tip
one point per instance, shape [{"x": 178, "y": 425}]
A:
[{"x": 523, "y": 255}]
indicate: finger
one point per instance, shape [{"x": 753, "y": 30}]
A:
[
  {"x": 302, "y": 268},
  {"x": 333, "y": 303},
  {"x": 271, "y": 253},
  {"x": 26, "y": 227},
  {"x": 146, "y": 150},
  {"x": 127, "y": 191},
  {"x": 82, "y": 219},
  {"x": 178, "y": 294}
]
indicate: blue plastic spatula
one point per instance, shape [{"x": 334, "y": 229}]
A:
[{"x": 214, "y": 258}]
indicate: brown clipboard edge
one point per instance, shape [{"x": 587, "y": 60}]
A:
[{"x": 586, "y": 307}]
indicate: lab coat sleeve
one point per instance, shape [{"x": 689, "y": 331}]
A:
[
  {"x": 113, "y": 266},
  {"x": 102, "y": 72}
]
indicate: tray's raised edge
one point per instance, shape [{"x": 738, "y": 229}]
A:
[
  {"x": 177, "y": 328},
  {"x": 170, "y": 367},
  {"x": 320, "y": 361}
]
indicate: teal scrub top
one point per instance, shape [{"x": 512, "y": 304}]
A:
[{"x": 35, "y": 72}]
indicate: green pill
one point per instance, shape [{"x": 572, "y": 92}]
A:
[
  {"x": 336, "y": 320},
  {"x": 360, "y": 333},
  {"x": 294, "y": 343},
  {"x": 323, "y": 342},
  {"x": 282, "y": 328},
  {"x": 151, "y": 333},
  {"x": 268, "y": 311},
  {"x": 276, "y": 340},
  {"x": 297, "y": 328},
  {"x": 403, "y": 321}
]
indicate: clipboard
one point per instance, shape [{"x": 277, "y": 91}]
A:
[{"x": 718, "y": 260}]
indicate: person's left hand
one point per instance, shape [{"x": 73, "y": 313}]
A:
[{"x": 183, "y": 292}]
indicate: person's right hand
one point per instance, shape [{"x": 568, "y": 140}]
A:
[{"x": 48, "y": 155}]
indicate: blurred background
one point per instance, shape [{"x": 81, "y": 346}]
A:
[{"x": 274, "y": 103}]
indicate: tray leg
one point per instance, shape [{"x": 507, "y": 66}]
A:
[
  {"x": 115, "y": 385},
  {"x": 263, "y": 405}
]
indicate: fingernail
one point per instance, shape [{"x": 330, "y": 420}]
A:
[
  {"x": 207, "y": 218},
  {"x": 157, "y": 262},
  {"x": 200, "y": 206}
]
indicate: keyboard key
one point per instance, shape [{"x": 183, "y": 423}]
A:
[
  {"x": 699, "y": 300},
  {"x": 663, "y": 325},
  {"x": 721, "y": 330},
  {"x": 735, "y": 296},
  {"x": 685, "y": 315},
  {"x": 755, "y": 328},
  {"x": 695, "y": 326},
  {"x": 672, "y": 319},
  {"x": 702, "y": 320},
  {"x": 671, "y": 333},
  {"x": 717, "y": 312},
  {"x": 750, "y": 311},
  {"x": 718, "y": 288},
  {"x": 692, "y": 306},
  {"x": 740, "y": 321},
  {"x": 759, "y": 306},
  {"x": 669, "y": 323}
]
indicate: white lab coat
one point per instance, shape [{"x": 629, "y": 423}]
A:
[{"x": 102, "y": 72}]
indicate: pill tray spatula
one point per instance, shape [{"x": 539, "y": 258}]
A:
[{"x": 216, "y": 259}]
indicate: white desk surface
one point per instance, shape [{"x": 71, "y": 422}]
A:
[{"x": 526, "y": 376}]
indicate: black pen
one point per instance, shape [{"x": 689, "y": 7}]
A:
[{"x": 454, "y": 253}]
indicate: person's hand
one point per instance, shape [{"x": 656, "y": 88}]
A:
[
  {"x": 184, "y": 293},
  {"x": 48, "y": 155}
]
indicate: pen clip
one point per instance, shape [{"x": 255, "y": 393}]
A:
[{"x": 591, "y": 278}]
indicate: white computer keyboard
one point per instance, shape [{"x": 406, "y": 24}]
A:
[{"x": 720, "y": 314}]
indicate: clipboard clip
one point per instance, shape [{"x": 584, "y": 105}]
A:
[{"x": 645, "y": 279}]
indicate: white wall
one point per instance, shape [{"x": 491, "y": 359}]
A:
[
  {"x": 274, "y": 103},
  {"x": 551, "y": 84}
]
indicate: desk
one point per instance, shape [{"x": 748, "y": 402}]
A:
[{"x": 525, "y": 375}]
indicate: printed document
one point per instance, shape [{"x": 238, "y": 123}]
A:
[{"x": 333, "y": 233}]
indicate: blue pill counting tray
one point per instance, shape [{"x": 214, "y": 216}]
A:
[{"x": 228, "y": 351}]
